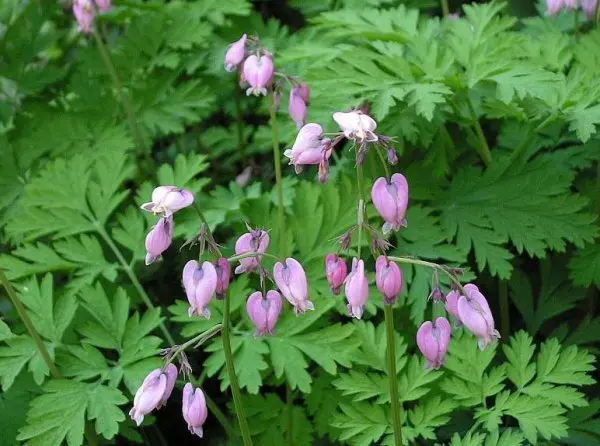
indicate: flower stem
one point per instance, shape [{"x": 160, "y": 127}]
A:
[
  {"x": 483, "y": 149},
  {"x": 383, "y": 161},
  {"x": 134, "y": 280},
  {"x": 430, "y": 265},
  {"x": 445, "y": 7},
  {"x": 361, "y": 204},
  {"x": 239, "y": 122},
  {"x": 235, "y": 388},
  {"x": 22, "y": 312},
  {"x": 122, "y": 95},
  {"x": 278, "y": 181},
  {"x": 392, "y": 375},
  {"x": 198, "y": 340}
]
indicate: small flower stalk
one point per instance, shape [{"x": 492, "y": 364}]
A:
[
  {"x": 153, "y": 393},
  {"x": 255, "y": 241},
  {"x": 433, "y": 339},
  {"x": 264, "y": 311},
  {"x": 159, "y": 239},
  {"x": 475, "y": 314},
  {"x": 336, "y": 271},
  {"x": 200, "y": 283},
  {"x": 388, "y": 278},
  {"x": 85, "y": 13},
  {"x": 391, "y": 201},
  {"x": 194, "y": 409},
  {"x": 357, "y": 289},
  {"x": 291, "y": 281}
]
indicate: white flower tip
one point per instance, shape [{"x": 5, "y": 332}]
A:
[
  {"x": 150, "y": 259},
  {"x": 287, "y": 153},
  {"x": 240, "y": 269}
]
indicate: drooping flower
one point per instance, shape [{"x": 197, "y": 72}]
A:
[
  {"x": 452, "y": 305},
  {"x": 298, "y": 107},
  {"x": 474, "y": 312},
  {"x": 388, "y": 277},
  {"x": 433, "y": 339},
  {"x": 336, "y": 270},
  {"x": 223, "y": 269},
  {"x": 200, "y": 283},
  {"x": 258, "y": 73},
  {"x": 254, "y": 241},
  {"x": 159, "y": 239},
  {"x": 167, "y": 200},
  {"x": 194, "y": 409},
  {"x": 356, "y": 125},
  {"x": 291, "y": 281},
  {"x": 589, "y": 7},
  {"x": 153, "y": 393},
  {"x": 84, "y": 12},
  {"x": 357, "y": 289},
  {"x": 391, "y": 201},
  {"x": 104, "y": 5},
  {"x": 571, "y": 4},
  {"x": 264, "y": 311},
  {"x": 309, "y": 147},
  {"x": 235, "y": 54},
  {"x": 554, "y": 6}
]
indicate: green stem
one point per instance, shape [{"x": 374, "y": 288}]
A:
[
  {"x": 576, "y": 19},
  {"x": 361, "y": 205},
  {"x": 445, "y": 7},
  {"x": 198, "y": 340},
  {"x": 379, "y": 151},
  {"x": 239, "y": 122},
  {"x": 504, "y": 308},
  {"x": 134, "y": 280},
  {"x": 392, "y": 375},
  {"x": 253, "y": 254},
  {"x": 290, "y": 415},
  {"x": 430, "y": 265},
  {"x": 22, "y": 312},
  {"x": 122, "y": 95},
  {"x": 278, "y": 180},
  {"x": 598, "y": 186},
  {"x": 483, "y": 149},
  {"x": 235, "y": 388}
]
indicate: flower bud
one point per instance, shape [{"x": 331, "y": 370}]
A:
[
  {"x": 303, "y": 90},
  {"x": 223, "y": 269},
  {"x": 589, "y": 7},
  {"x": 323, "y": 171},
  {"x": 159, "y": 239},
  {"x": 200, "y": 283},
  {"x": 309, "y": 147},
  {"x": 194, "y": 409},
  {"x": 255, "y": 241},
  {"x": 297, "y": 108},
  {"x": 336, "y": 271},
  {"x": 388, "y": 277},
  {"x": 291, "y": 281},
  {"x": 235, "y": 54},
  {"x": 433, "y": 339},
  {"x": 103, "y": 5},
  {"x": 84, "y": 12},
  {"x": 153, "y": 393},
  {"x": 168, "y": 199},
  {"x": 258, "y": 72},
  {"x": 436, "y": 295},
  {"x": 391, "y": 201},
  {"x": 554, "y": 6},
  {"x": 452, "y": 305},
  {"x": 474, "y": 312},
  {"x": 264, "y": 312},
  {"x": 392, "y": 156},
  {"x": 357, "y": 126},
  {"x": 357, "y": 289}
]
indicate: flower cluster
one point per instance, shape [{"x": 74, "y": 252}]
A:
[
  {"x": 85, "y": 12},
  {"x": 156, "y": 390},
  {"x": 257, "y": 75},
  {"x": 166, "y": 200},
  {"x": 588, "y": 6}
]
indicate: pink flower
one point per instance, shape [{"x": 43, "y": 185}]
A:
[
  {"x": 159, "y": 239},
  {"x": 235, "y": 54},
  {"x": 571, "y": 4},
  {"x": 356, "y": 125},
  {"x": 168, "y": 199},
  {"x": 336, "y": 270},
  {"x": 357, "y": 289},
  {"x": 291, "y": 281},
  {"x": 391, "y": 201},
  {"x": 589, "y": 7},
  {"x": 84, "y": 12},
  {"x": 194, "y": 409},
  {"x": 554, "y": 6},
  {"x": 153, "y": 393},
  {"x": 255, "y": 241},
  {"x": 309, "y": 147},
  {"x": 264, "y": 312},
  {"x": 298, "y": 107},
  {"x": 388, "y": 277},
  {"x": 258, "y": 72},
  {"x": 103, "y": 5},
  {"x": 433, "y": 340},
  {"x": 452, "y": 305},
  {"x": 200, "y": 284},
  {"x": 474, "y": 312},
  {"x": 223, "y": 270}
]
